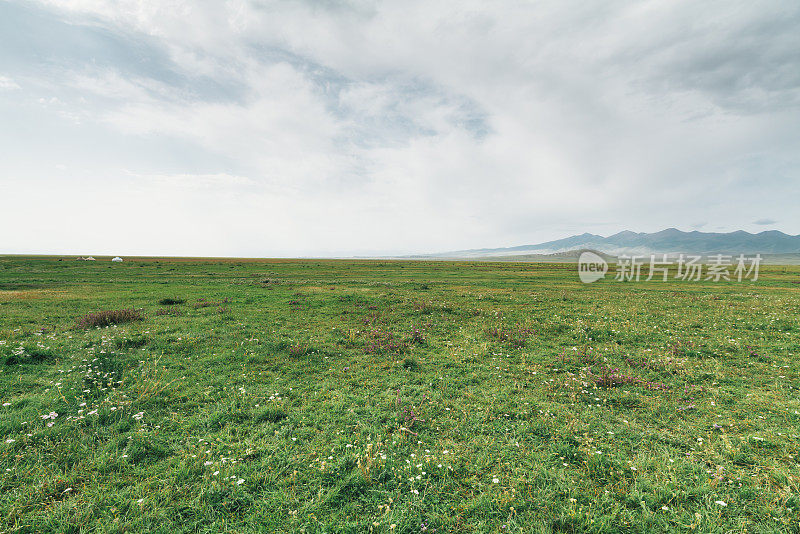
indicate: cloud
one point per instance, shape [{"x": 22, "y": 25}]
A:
[
  {"x": 7, "y": 84},
  {"x": 765, "y": 222},
  {"x": 365, "y": 125},
  {"x": 194, "y": 180}
]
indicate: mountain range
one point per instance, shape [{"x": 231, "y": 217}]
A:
[{"x": 670, "y": 240}]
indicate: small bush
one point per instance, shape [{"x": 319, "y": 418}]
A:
[
  {"x": 170, "y": 301},
  {"x": 110, "y": 317}
]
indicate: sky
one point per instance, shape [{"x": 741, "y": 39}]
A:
[{"x": 267, "y": 129}]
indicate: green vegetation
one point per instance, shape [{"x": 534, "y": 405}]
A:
[{"x": 335, "y": 396}]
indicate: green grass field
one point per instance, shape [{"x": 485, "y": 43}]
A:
[{"x": 373, "y": 396}]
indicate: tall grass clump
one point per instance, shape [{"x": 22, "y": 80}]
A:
[{"x": 110, "y": 317}]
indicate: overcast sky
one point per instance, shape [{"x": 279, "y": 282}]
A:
[{"x": 246, "y": 128}]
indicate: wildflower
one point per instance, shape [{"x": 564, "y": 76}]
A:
[
  {"x": 496, "y": 480},
  {"x": 240, "y": 482},
  {"x": 9, "y": 440},
  {"x": 721, "y": 503},
  {"x": 6, "y": 404},
  {"x": 208, "y": 462}
]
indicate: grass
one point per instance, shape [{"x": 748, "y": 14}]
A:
[{"x": 335, "y": 396}]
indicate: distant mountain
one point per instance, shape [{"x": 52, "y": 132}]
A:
[{"x": 670, "y": 240}]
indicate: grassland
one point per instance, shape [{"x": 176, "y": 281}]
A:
[{"x": 335, "y": 396}]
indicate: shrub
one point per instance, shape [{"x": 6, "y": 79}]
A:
[
  {"x": 109, "y": 317},
  {"x": 170, "y": 301}
]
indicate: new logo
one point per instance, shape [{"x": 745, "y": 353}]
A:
[{"x": 591, "y": 267}]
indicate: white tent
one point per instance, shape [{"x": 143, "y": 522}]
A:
[
  {"x": 117, "y": 259},
  {"x": 90, "y": 259}
]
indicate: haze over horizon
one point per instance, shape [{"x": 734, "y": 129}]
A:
[{"x": 256, "y": 129}]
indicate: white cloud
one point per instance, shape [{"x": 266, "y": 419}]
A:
[
  {"x": 7, "y": 84},
  {"x": 194, "y": 180},
  {"x": 363, "y": 126}
]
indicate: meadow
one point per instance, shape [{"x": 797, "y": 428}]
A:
[{"x": 393, "y": 397}]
